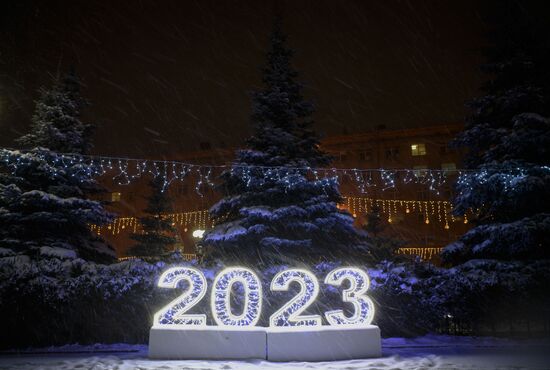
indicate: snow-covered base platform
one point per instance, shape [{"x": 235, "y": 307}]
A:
[
  {"x": 323, "y": 344},
  {"x": 207, "y": 343}
]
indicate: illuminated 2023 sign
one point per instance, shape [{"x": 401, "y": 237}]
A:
[{"x": 289, "y": 315}]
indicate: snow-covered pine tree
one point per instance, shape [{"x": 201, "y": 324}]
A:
[
  {"x": 158, "y": 233},
  {"x": 274, "y": 210},
  {"x": 508, "y": 137},
  {"x": 44, "y": 209},
  {"x": 56, "y": 123}
]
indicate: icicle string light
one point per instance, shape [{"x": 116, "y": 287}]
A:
[
  {"x": 199, "y": 219},
  {"x": 425, "y": 253},
  {"x": 432, "y": 210},
  {"x": 124, "y": 171}
]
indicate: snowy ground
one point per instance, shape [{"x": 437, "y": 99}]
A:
[{"x": 430, "y": 352}]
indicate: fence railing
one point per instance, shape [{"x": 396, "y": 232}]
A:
[
  {"x": 427, "y": 253},
  {"x": 185, "y": 256}
]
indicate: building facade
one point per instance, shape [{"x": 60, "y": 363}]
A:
[{"x": 412, "y": 212}]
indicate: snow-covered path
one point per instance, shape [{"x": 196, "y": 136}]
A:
[{"x": 431, "y": 352}]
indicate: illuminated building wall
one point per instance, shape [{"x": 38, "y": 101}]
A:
[
  {"x": 413, "y": 213},
  {"x": 419, "y": 148}
]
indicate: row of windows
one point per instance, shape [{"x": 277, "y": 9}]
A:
[
  {"x": 392, "y": 153},
  {"x": 418, "y": 149},
  {"x": 448, "y": 167}
]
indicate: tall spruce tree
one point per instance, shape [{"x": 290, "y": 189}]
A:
[
  {"x": 56, "y": 123},
  {"x": 274, "y": 210},
  {"x": 44, "y": 209},
  {"x": 158, "y": 234},
  {"x": 508, "y": 137}
]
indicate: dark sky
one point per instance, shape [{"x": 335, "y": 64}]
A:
[{"x": 164, "y": 76}]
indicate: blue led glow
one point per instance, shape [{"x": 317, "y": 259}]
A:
[
  {"x": 355, "y": 294},
  {"x": 174, "y": 312},
  {"x": 221, "y": 304},
  {"x": 289, "y": 314}
]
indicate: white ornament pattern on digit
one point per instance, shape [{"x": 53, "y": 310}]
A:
[
  {"x": 356, "y": 294},
  {"x": 173, "y": 314},
  {"x": 289, "y": 314},
  {"x": 221, "y": 292}
]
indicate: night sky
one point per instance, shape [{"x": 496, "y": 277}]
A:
[{"x": 165, "y": 76}]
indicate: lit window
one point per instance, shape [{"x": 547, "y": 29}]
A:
[
  {"x": 115, "y": 197},
  {"x": 420, "y": 170},
  {"x": 392, "y": 153},
  {"x": 365, "y": 155},
  {"x": 448, "y": 167},
  {"x": 418, "y": 149}
]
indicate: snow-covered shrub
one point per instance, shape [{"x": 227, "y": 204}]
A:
[
  {"x": 395, "y": 291},
  {"x": 56, "y": 301},
  {"x": 486, "y": 296},
  {"x": 59, "y": 300}
]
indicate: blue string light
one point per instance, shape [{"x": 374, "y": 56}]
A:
[{"x": 127, "y": 170}]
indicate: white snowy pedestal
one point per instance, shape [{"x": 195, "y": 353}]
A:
[
  {"x": 207, "y": 343},
  {"x": 325, "y": 343}
]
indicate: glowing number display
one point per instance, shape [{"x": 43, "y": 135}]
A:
[
  {"x": 174, "y": 312},
  {"x": 355, "y": 294},
  {"x": 289, "y": 314},
  {"x": 221, "y": 294}
]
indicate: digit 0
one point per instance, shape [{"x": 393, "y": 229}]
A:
[{"x": 221, "y": 293}]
